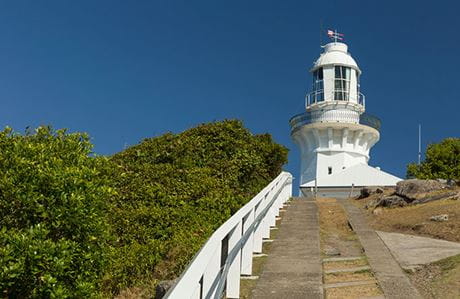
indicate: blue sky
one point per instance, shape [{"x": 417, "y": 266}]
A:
[{"x": 126, "y": 70}]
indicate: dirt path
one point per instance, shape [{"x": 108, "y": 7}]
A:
[{"x": 346, "y": 271}]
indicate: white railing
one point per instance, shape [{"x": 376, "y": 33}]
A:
[
  {"x": 316, "y": 97},
  {"x": 216, "y": 269}
]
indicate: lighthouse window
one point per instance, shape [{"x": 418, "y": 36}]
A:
[
  {"x": 318, "y": 87},
  {"x": 342, "y": 83},
  {"x": 329, "y": 170}
]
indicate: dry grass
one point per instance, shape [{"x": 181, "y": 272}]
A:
[
  {"x": 353, "y": 292},
  {"x": 348, "y": 276},
  {"x": 335, "y": 232},
  {"x": 333, "y": 219},
  {"x": 440, "y": 279},
  {"x": 448, "y": 284},
  {"x": 437, "y": 280},
  {"x": 136, "y": 293},
  {"x": 246, "y": 287},
  {"x": 344, "y": 264},
  {"x": 416, "y": 219},
  {"x": 334, "y": 229}
]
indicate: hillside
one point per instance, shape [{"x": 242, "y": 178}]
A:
[
  {"x": 176, "y": 189},
  {"x": 440, "y": 279},
  {"x": 78, "y": 226}
]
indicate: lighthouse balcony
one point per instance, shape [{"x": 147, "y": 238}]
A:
[
  {"x": 318, "y": 97},
  {"x": 333, "y": 116}
]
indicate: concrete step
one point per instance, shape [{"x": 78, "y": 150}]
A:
[
  {"x": 293, "y": 268},
  {"x": 249, "y": 277},
  {"x": 259, "y": 254},
  {"x": 348, "y": 270},
  {"x": 349, "y": 284},
  {"x": 343, "y": 259}
]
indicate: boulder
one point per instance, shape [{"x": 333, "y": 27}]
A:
[
  {"x": 444, "y": 195},
  {"x": 392, "y": 201},
  {"x": 372, "y": 204},
  {"x": 163, "y": 287},
  {"x": 365, "y": 192},
  {"x": 379, "y": 190},
  {"x": 442, "y": 181},
  {"x": 414, "y": 189},
  {"x": 452, "y": 183},
  {"x": 440, "y": 218}
]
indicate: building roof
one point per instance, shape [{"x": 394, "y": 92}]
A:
[{"x": 336, "y": 54}]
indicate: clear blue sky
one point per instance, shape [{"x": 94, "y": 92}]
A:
[{"x": 126, "y": 70}]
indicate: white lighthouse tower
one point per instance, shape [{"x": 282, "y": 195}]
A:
[{"x": 334, "y": 133}]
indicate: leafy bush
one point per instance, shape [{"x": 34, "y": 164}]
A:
[
  {"x": 176, "y": 189},
  {"x": 442, "y": 160},
  {"x": 54, "y": 232},
  {"x": 77, "y": 226}
]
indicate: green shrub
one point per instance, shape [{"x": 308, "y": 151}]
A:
[
  {"x": 54, "y": 233},
  {"x": 77, "y": 226},
  {"x": 442, "y": 161},
  {"x": 176, "y": 189}
]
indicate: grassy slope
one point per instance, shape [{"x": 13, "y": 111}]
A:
[{"x": 440, "y": 279}]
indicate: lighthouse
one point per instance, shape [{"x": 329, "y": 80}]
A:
[{"x": 334, "y": 133}]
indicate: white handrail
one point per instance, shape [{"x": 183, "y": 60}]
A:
[{"x": 208, "y": 275}]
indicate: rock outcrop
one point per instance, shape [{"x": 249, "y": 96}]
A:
[
  {"x": 410, "y": 192},
  {"x": 163, "y": 287},
  {"x": 392, "y": 201},
  {"x": 414, "y": 189}
]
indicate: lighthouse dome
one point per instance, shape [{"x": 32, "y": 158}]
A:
[{"x": 336, "y": 53}]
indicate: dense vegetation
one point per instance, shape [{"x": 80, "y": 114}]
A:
[
  {"x": 442, "y": 160},
  {"x": 75, "y": 225},
  {"x": 174, "y": 190},
  {"x": 54, "y": 232}
]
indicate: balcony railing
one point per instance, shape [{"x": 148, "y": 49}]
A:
[
  {"x": 370, "y": 120},
  {"x": 310, "y": 117},
  {"x": 317, "y": 97}
]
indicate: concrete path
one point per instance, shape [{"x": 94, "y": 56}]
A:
[
  {"x": 411, "y": 251},
  {"x": 391, "y": 278},
  {"x": 293, "y": 268}
]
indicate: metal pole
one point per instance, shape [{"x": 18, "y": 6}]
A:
[
  {"x": 320, "y": 33},
  {"x": 419, "y": 143},
  {"x": 351, "y": 192},
  {"x": 316, "y": 187}
]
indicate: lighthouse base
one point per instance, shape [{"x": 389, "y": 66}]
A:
[
  {"x": 348, "y": 182},
  {"x": 330, "y": 192}
]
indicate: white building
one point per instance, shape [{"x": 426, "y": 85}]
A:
[{"x": 335, "y": 134}]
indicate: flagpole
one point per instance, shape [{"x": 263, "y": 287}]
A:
[{"x": 419, "y": 143}]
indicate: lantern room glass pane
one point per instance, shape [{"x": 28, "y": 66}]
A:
[
  {"x": 342, "y": 83},
  {"x": 337, "y": 72},
  {"x": 317, "y": 94},
  {"x": 347, "y": 72}
]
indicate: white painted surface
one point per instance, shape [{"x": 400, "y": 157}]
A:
[
  {"x": 359, "y": 175},
  {"x": 336, "y": 54},
  {"x": 330, "y": 135},
  {"x": 245, "y": 229}
]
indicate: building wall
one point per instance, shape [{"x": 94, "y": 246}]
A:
[{"x": 336, "y": 145}]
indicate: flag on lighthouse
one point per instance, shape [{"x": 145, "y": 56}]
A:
[{"x": 335, "y": 35}]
